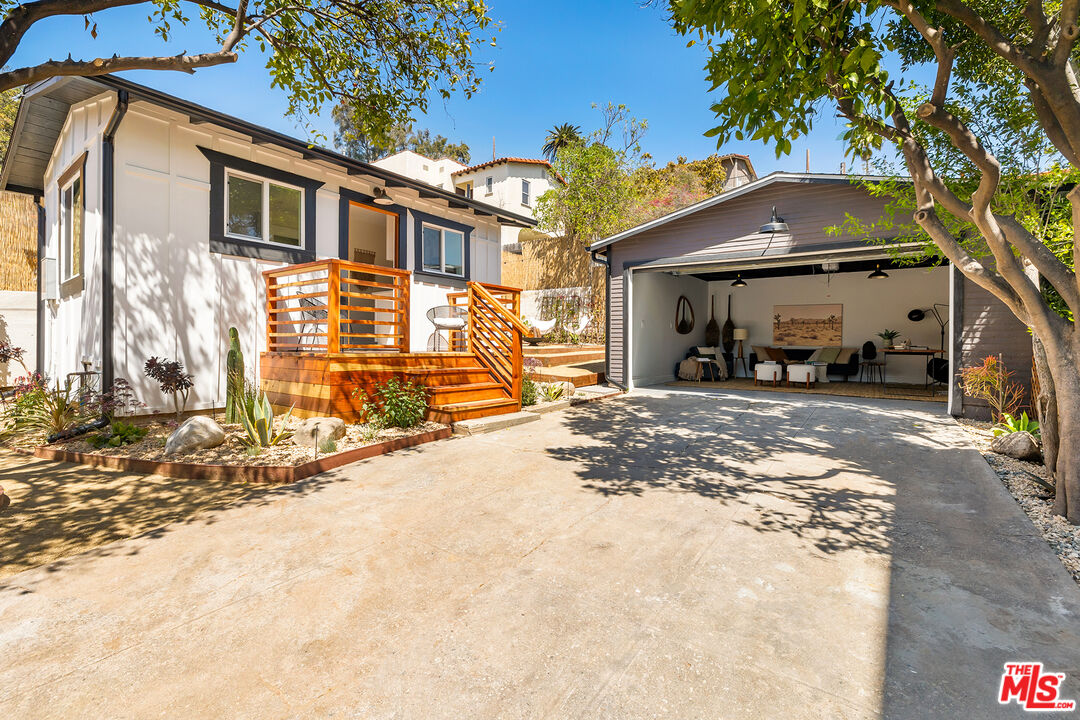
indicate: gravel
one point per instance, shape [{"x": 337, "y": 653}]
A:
[{"x": 1037, "y": 501}]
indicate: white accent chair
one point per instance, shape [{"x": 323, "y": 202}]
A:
[
  {"x": 768, "y": 372},
  {"x": 542, "y": 326},
  {"x": 802, "y": 375}
]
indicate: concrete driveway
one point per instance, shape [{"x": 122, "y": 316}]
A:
[{"x": 670, "y": 553}]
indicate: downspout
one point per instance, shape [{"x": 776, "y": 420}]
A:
[
  {"x": 108, "y": 222},
  {"x": 39, "y": 362},
  {"x": 603, "y": 260}
]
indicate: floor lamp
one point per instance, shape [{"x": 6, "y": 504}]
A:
[{"x": 740, "y": 334}]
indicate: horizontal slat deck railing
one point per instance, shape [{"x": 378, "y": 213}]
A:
[
  {"x": 494, "y": 334},
  {"x": 333, "y": 306}
]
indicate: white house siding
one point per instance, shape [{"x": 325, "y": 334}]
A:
[
  {"x": 506, "y": 189},
  {"x": 173, "y": 297},
  {"x": 72, "y": 329}
]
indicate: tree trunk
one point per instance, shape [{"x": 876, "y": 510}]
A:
[
  {"x": 1067, "y": 389},
  {"x": 1045, "y": 407}
]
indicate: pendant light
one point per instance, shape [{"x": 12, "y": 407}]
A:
[
  {"x": 878, "y": 274},
  {"x": 739, "y": 282},
  {"x": 381, "y": 197}
]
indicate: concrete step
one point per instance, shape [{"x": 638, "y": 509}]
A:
[{"x": 490, "y": 424}]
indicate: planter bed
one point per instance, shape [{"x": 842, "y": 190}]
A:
[{"x": 281, "y": 463}]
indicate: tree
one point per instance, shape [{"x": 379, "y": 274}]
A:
[
  {"x": 559, "y": 137},
  {"x": 9, "y": 107},
  {"x": 781, "y": 63},
  {"x": 384, "y": 58},
  {"x": 349, "y": 140}
]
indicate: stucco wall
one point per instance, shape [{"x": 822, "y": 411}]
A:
[
  {"x": 18, "y": 326},
  {"x": 869, "y": 306}
]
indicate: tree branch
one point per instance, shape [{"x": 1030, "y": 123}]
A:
[
  {"x": 102, "y": 66},
  {"x": 20, "y": 17}
]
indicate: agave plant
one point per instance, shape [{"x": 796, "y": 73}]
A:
[{"x": 258, "y": 422}]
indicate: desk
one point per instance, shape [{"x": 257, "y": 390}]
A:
[{"x": 918, "y": 352}]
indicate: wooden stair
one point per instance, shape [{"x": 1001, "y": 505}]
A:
[{"x": 463, "y": 393}]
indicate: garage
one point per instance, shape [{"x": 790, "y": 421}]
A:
[{"x": 799, "y": 292}]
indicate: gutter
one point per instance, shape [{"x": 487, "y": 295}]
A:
[
  {"x": 108, "y": 222},
  {"x": 39, "y": 341}
]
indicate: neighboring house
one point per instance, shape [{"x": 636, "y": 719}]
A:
[
  {"x": 18, "y": 280},
  {"x": 699, "y": 251},
  {"x": 161, "y": 218},
  {"x": 512, "y": 184},
  {"x": 738, "y": 170}
]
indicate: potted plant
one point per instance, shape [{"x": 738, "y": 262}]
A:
[
  {"x": 887, "y": 337},
  {"x": 533, "y": 336}
]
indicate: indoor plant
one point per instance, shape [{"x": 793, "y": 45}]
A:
[{"x": 887, "y": 337}]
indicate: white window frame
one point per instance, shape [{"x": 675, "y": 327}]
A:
[
  {"x": 489, "y": 185},
  {"x": 526, "y": 193},
  {"x": 266, "y": 183},
  {"x": 442, "y": 250}
]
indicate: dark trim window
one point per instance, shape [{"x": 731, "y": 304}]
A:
[
  {"x": 525, "y": 192},
  {"x": 442, "y": 248},
  {"x": 489, "y": 185},
  {"x": 72, "y": 226},
  {"x": 259, "y": 211}
]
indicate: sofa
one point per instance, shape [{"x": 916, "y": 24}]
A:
[{"x": 799, "y": 355}]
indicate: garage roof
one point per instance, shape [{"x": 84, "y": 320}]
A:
[
  {"x": 770, "y": 179},
  {"x": 45, "y": 105}
]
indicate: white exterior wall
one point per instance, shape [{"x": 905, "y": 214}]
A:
[
  {"x": 655, "y": 346},
  {"x": 73, "y": 325},
  {"x": 173, "y": 297},
  {"x": 434, "y": 172},
  {"x": 18, "y": 326}
]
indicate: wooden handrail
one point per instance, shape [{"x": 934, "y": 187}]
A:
[
  {"x": 514, "y": 320},
  {"x": 494, "y": 335},
  {"x": 348, "y": 305}
]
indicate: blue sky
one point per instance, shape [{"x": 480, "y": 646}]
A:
[{"x": 555, "y": 59}]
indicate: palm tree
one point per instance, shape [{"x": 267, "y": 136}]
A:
[{"x": 559, "y": 137}]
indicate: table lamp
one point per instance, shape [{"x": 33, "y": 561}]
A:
[{"x": 741, "y": 334}]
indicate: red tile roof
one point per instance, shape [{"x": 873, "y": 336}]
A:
[{"x": 500, "y": 161}]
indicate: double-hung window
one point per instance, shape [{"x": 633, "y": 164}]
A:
[
  {"x": 489, "y": 186},
  {"x": 525, "y": 192},
  {"x": 72, "y": 208},
  {"x": 443, "y": 250},
  {"x": 263, "y": 210}
]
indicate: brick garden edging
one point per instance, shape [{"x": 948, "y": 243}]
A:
[{"x": 247, "y": 473}]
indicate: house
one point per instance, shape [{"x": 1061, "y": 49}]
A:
[
  {"x": 510, "y": 183},
  {"x": 165, "y": 223},
  {"x": 730, "y": 248},
  {"x": 18, "y": 281},
  {"x": 738, "y": 170}
]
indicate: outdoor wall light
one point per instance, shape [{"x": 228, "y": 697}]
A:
[
  {"x": 775, "y": 225},
  {"x": 381, "y": 197},
  {"x": 878, "y": 274},
  {"x": 739, "y": 282}
]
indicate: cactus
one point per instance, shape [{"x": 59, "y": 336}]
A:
[{"x": 234, "y": 378}]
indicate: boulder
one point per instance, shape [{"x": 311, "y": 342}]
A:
[
  {"x": 5, "y": 501},
  {"x": 195, "y": 433},
  {"x": 322, "y": 427},
  {"x": 1020, "y": 445}
]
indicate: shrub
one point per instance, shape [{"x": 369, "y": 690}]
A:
[
  {"x": 992, "y": 382},
  {"x": 51, "y": 410},
  {"x": 258, "y": 424},
  {"x": 328, "y": 445},
  {"x": 528, "y": 391},
  {"x": 119, "y": 433},
  {"x": 1011, "y": 424},
  {"x": 119, "y": 399},
  {"x": 170, "y": 375},
  {"x": 9, "y": 352},
  {"x": 394, "y": 404},
  {"x": 554, "y": 391}
]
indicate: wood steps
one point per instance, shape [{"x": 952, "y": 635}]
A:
[
  {"x": 553, "y": 355},
  {"x": 466, "y": 392},
  {"x": 455, "y": 412}
]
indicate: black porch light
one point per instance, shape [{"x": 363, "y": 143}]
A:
[
  {"x": 380, "y": 197},
  {"x": 775, "y": 225},
  {"x": 878, "y": 274},
  {"x": 739, "y": 282}
]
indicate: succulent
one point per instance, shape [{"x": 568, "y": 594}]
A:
[
  {"x": 234, "y": 378},
  {"x": 258, "y": 422}
]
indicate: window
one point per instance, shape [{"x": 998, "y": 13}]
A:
[
  {"x": 489, "y": 185},
  {"x": 524, "y": 192},
  {"x": 443, "y": 250},
  {"x": 72, "y": 212},
  {"x": 258, "y": 209}
]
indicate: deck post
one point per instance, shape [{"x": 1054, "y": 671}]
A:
[
  {"x": 403, "y": 308},
  {"x": 333, "y": 303}
]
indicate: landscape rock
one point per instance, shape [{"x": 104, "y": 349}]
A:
[
  {"x": 196, "y": 433},
  {"x": 1020, "y": 445},
  {"x": 322, "y": 427},
  {"x": 5, "y": 501}
]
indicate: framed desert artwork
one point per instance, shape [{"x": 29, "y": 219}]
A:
[{"x": 807, "y": 325}]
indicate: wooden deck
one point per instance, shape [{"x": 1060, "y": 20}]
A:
[{"x": 326, "y": 344}]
